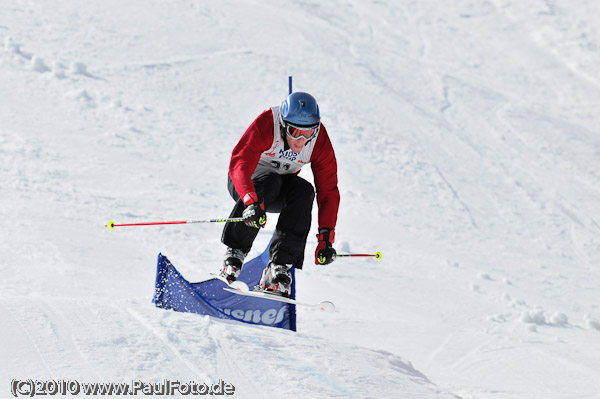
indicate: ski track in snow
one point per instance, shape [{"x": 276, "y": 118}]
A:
[{"x": 468, "y": 153}]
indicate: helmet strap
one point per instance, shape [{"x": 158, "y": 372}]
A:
[{"x": 286, "y": 146}]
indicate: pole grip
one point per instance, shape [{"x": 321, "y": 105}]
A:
[{"x": 290, "y": 83}]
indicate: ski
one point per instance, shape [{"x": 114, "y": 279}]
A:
[
  {"x": 236, "y": 285},
  {"x": 325, "y": 305}
]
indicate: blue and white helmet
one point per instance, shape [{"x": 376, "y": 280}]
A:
[{"x": 300, "y": 111}]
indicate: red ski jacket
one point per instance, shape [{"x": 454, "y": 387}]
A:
[{"x": 262, "y": 146}]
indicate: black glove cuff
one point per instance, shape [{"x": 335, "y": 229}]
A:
[{"x": 327, "y": 235}]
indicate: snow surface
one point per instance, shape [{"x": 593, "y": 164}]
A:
[{"x": 467, "y": 138}]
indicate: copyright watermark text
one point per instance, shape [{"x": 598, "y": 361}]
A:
[{"x": 31, "y": 388}]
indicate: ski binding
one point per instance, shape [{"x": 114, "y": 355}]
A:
[{"x": 235, "y": 285}]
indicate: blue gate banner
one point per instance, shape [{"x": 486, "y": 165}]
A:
[{"x": 172, "y": 291}]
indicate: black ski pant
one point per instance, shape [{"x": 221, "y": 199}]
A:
[{"x": 289, "y": 195}]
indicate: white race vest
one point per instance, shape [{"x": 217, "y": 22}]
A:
[{"x": 277, "y": 159}]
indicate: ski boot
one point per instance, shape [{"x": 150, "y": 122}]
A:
[
  {"x": 276, "y": 279},
  {"x": 232, "y": 264}
]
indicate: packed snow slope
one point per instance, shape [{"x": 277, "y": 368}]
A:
[{"x": 468, "y": 145}]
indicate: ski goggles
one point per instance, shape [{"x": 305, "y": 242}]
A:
[{"x": 301, "y": 132}]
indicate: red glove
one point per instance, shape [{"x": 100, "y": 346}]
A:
[{"x": 325, "y": 254}]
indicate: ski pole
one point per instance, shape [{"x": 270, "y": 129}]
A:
[
  {"x": 377, "y": 255},
  {"x": 111, "y": 225}
]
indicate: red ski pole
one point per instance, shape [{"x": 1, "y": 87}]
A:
[
  {"x": 377, "y": 255},
  {"x": 111, "y": 225}
]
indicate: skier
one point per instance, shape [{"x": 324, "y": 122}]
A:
[{"x": 263, "y": 177}]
